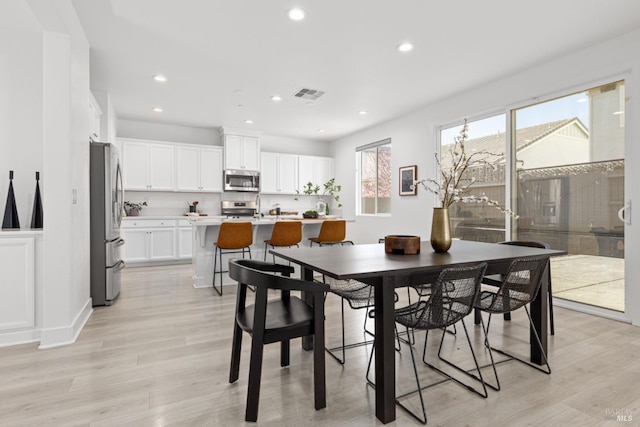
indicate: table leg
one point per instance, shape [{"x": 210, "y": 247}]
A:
[
  {"x": 539, "y": 309},
  {"x": 306, "y": 274},
  {"x": 385, "y": 353}
]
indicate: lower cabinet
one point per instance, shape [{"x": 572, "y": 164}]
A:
[{"x": 154, "y": 240}]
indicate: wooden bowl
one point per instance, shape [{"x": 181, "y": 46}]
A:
[{"x": 403, "y": 245}]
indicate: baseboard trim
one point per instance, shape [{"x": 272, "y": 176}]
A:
[{"x": 56, "y": 337}]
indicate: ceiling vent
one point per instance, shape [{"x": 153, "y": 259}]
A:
[{"x": 308, "y": 94}]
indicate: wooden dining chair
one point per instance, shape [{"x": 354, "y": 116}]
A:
[{"x": 277, "y": 320}]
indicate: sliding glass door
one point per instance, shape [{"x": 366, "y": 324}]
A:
[
  {"x": 569, "y": 158},
  {"x": 560, "y": 165}
]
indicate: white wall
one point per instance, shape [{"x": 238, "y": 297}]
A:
[
  {"x": 45, "y": 66},
  {"x": 21, "y": 76},
  {"x": 168, "y": 133},
  {"x": 413, "y": 136}
]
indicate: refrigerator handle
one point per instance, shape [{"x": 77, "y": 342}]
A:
[
  {"x": 119, "y": 266},
  {"x": 119, "y": 242},
  {"x": 119, "y": 202}
]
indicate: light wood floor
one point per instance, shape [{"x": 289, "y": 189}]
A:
[{"x": 160, "y": 357}]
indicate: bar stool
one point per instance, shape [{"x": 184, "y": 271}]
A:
[
  {"x": 332, "y": 232},
  {"x": 233, "y": 237},
  {"x": 284, "y": 234}
]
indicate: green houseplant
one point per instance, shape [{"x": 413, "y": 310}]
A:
[{"x": 329, "y": 188}]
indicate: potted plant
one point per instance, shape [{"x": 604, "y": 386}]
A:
[
  {"x": 329, "y": 188},
  {"x": 310, "y": 214},
  {"x": 134, "y": 208}
]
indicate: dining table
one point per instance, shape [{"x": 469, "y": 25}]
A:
[{"x": 369, "y": 263}]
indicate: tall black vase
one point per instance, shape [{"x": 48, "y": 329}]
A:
[
  {"x": 37, "y": 216},
  {"x": 10, "y": 220}
]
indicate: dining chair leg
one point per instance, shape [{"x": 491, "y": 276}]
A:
[
  {"x": 255, "y": 373},
  {"x": 551, "y": 325},
  {"x": 468, "y": 373},
  {"x": 538, "y": 342},
  {"x": 217, "y": 253},
  {"x": 236, "y": 348},
  {"x": 423, "y": 420},
  {"x": 284, "y": 353}
]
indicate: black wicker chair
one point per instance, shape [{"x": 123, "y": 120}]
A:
[
  {"x": 358, "y": 295},
  {"x": 277, "y": 320},
  {"x": 519, "y": 287},
  {"x": 450, "y": 300},
  {"x": 496, "y": 279}
]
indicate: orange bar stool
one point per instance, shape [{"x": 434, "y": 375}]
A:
[
  {"x": 284, "y": 234},
  {"x": 332, "y": 232},
  {"x": 233, "y": 237}
]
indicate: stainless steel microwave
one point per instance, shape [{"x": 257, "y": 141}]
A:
[{"x": 241, "y": 180}]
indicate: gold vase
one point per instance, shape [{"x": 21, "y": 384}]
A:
[{"x": 440, "y": 230}]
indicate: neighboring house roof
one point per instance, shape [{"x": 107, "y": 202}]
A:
[{"x": 495, "y": 144}]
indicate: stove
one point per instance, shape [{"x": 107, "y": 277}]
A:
[{"x": 235, "y": 209}]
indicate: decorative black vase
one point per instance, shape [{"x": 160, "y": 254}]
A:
[
  {"x": 10, "y": 220},
  {"x": 37, "y": 215}
]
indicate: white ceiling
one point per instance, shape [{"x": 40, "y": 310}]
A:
[{"x": 219, "y": 54}]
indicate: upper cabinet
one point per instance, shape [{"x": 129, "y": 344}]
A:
[
  {"x": 316, "y": 170},
  {"x": 94, "y": 118},
  {"x": 279, "y": 173},
  {"x": 148, "y": 166},
  {"x": 241, "y": 152},
  {"x": 198, "y": 168}
]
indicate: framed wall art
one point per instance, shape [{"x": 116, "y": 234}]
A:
[{"x": 407, "y": 178}]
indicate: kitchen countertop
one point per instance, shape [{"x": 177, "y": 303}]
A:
[{"x": 143, "y": 217}]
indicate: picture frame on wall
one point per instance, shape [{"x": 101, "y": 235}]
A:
[{"x": 408, "y": 176}]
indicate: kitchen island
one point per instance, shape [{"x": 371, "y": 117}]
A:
[{"x": 205, "y": 233}]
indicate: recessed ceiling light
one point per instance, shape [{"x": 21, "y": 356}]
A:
[
  {"x": 276, "y": 98},
  {"x": 362, "y": 113},
  {"x": 405, "y": 47},
  {"x": 249, "y": 121},
  {"x": 160, "y": 78},
  {"x": 157, "y": 110},
  {"x": 296, "y": 14},
  {"x": 321, "y": 130}
]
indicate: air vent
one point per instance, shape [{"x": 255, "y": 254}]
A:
[{"x": 308, "y": 94}]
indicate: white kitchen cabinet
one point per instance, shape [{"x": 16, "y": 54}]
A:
[
  {"x": 149, "y": 240},
  {"x": 148, "y": 166},
  {"x": 185, "y": 240},
  {"x": 94, "y": 118},
  {"x": 316, "y": 170},
  {"x": 198, "y": 168},
  {"x": 279, "y": 173},
  {"x": 241, "y": 152},
  {"x": 17, "y": 267}
]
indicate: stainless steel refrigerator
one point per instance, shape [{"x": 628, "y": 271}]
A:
[{"x": 107, "y": 198}]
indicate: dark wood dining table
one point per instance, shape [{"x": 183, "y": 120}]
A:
[{"x": 370, "y": 264}]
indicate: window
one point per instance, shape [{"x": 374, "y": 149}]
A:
[
  {"x": 374, "y": 178},
  {"x": 480, "y": 221}
]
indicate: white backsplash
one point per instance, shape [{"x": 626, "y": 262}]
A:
[{"x": 174, "y": 203}]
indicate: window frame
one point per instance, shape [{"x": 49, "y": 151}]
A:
[{"x": 359, "y": 150}]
